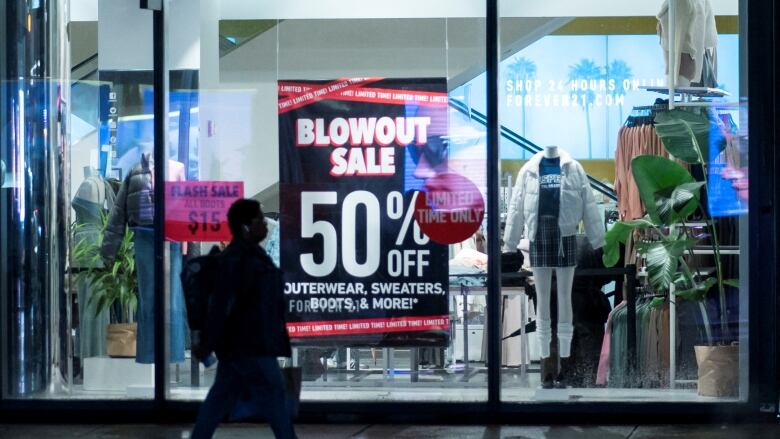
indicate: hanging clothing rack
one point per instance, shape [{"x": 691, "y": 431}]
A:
[
  {"x": 645, "y": 114},
  {"x": 658, "y": 106}
]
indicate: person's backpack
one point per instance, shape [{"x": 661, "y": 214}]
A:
[{"x": 198, "y": 279}]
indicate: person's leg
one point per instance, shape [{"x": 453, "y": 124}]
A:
[
  {"x": 565, "y": 279},
  {"x": 267, "y": 374},
  {"x": 543, "y": 282},
  {"x": 220, "y": 400}
]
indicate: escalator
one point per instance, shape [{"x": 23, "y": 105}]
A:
[
  {"x": 522, "y": 142},
  {"x": 234, "y": 34},
  {"x": 84, "y": 94},
  {"x": 84, "y": 76}
]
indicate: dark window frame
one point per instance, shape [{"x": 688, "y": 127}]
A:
[{"x": 764, "y": 307}]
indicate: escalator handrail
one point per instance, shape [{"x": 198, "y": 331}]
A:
[
  {"x": 83, "y": 63},
  {"x": 524, "y": 143}
]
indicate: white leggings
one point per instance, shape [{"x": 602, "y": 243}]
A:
[{"x": 543, "y": 281}]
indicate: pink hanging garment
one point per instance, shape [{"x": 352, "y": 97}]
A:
[{"x": 603, "y": 370}]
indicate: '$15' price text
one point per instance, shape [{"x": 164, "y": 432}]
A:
[{"x": 204, "y": 221}]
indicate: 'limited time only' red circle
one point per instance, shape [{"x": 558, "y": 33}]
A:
[{"x": 449, "y": 209}]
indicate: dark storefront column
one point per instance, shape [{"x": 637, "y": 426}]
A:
[{"x": 32, "y": 241}]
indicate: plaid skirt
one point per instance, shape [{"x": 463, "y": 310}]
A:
[{"x": 549, "y": 249}]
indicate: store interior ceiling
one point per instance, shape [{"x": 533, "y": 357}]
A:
[{"x": 455, "y": 45}]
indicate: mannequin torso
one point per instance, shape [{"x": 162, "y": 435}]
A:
[{"x": 550, "y": 182}]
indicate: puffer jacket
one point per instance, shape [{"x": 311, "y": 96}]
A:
[
  {"x": 577, "y": 204},
  {"x": 134, "y": 206}
]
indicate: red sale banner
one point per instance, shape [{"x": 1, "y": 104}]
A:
[
  {"x": 368, "y": 326},
  {"x": 354, "y": 155},
  {"x": 196, "y": 211}
]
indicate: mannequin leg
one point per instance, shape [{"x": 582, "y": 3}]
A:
[
  {"x": 565, "y": 280},
  {"x": 543, "y": 281}
]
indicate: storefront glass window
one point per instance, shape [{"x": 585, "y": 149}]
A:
[
  {"x": 78, "y": 203},
  {"x": 111, "y": 166},
  {"x": 588, "y": 127},
  {"x": 362, "y": 132},
  {"x": 373, "y": 183}
]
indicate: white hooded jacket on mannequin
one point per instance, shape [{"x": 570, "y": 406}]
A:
[{"x": 576, "y": 204}]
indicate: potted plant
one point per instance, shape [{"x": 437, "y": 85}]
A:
[
  {"x": 671, "y": 196},
  {"x": 113, "y": 286}
]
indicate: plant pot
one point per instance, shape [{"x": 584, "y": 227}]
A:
[
  {"x": 120, "y": 339},
  {"x": 718, "y": 370}
]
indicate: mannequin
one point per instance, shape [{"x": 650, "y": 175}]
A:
[
  {"x": 552, "y": 195},
  {"x": 134, "y": 207},
  {"x": 94, "y": 197},
  {"x": 694, "y": 44}
]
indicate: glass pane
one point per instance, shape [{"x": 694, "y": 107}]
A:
[
  {"x": 108, "y": 175},
  {"x": 73, "y": 269},
  {"x": 590, "y": 142},
  {"x": 352, "y": 130}
]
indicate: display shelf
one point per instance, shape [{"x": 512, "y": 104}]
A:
[
  {"x": 692, "y": 224},
  {"x": 464, "y": 327},
  {"x": 116, "y": 374},
  {"x": 506, "y": 278},
  {"x": 512, "y": 285},
  {"x": 687, "y": 94},
  {"x": 703, "y": 271},
  {"x": 724, "y": 250},
  {"x": 699, "y": 92},
  {"x": 717, "y": 104}
]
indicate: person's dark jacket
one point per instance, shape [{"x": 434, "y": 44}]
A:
[{"x": 246, "y": 314}]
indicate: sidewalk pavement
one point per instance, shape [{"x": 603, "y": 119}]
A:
[{"x": 364, "y": 431}]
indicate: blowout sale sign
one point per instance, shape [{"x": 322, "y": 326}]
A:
[{"x": 354, "y": 155}]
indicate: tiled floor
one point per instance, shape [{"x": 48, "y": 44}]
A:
[
  {"x": 372, "y": 384},
  {"x": 406, "y": 393},
  {"x": 357, "y": 431}
]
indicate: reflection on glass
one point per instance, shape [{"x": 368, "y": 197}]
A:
[
  {"x": 375, "y": 306},
  {"x": 33, "y": 309}
]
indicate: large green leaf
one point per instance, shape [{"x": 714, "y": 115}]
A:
[
  {"x": 617, "y": 235},
  {"x": 681, "y": 203},
  {"x": 657, "y": 178},
  {"x": 684, "y": 134},
  {"x": 699, "y": 291},
  {"x": 662, "y": 259}
]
